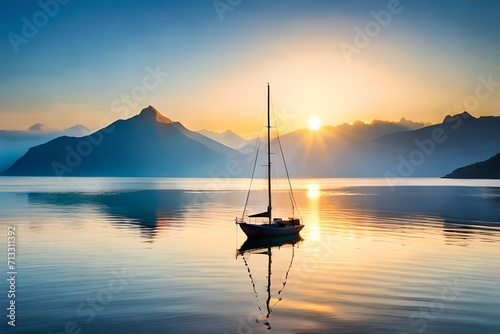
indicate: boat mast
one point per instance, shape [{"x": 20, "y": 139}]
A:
[{"x": 269, "y": 154}]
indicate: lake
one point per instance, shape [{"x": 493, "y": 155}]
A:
[{"x": 126, "y": 255}]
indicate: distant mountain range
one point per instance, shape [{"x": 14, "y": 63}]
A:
[
  {"x": 388, "y": 150},
  {"x": 374, "y": 129},
  {"x": 489, "y": 169},
  {"x": 228, "y": 138},
  {"x": 148, "y": 144},
  {"x": 438, "y": 149}
]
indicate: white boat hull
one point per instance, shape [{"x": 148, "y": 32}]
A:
[{"x": 265, "y": 230}]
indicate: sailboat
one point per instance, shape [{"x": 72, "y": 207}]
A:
[{"x": 275, "y": 226}]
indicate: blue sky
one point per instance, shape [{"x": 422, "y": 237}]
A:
[{"x": 428, "y": 57}]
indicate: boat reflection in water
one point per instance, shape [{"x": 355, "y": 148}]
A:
[{"x": 266, "y": 246}]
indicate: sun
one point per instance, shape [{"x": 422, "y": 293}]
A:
[
  {"x": 313, "y": 191},
  {"x": 314, "y": 123}
]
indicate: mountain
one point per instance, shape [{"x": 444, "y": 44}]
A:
[
  {"x": 228, "y": 138},
  {"x": 385, "y": 149},
  {"x": 489, "y": 169},
  {"x": 411, "y": 125},
  {"x": 148, "y": 144},
  {"x": 403, "y": 124},
  {"x": 77, "y": 130},
  {"x": 14, "y": 144},
  {"x": 376, "y": 128},
  {"x": 346, "y": 150},
  {"x": 435, "y": 150}
]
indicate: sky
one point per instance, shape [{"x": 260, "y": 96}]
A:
[{"x": 206, "y": 63}]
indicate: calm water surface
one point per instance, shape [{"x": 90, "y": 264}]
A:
[{"x": 103, "y": 255}]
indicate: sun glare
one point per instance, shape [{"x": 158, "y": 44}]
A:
[
  {"x": 314, "y": 123},
  {"x": 313, "y": 191}
]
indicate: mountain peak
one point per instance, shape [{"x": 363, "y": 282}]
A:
[
  {"x": 465, "y": 115},
  {"x": 150, "y": 113},
  {"x": 77, "y": 127}
]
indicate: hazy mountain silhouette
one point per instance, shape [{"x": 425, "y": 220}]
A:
[
  {"x": 341, "y": 151},
  {"x": 411, "y": 125},
  {"x": 489, "y": 169},
  {"x": 77, "y": 130},
  {"x": 14, "y": 144},
  {"x": 435, "y": 150},
  {"x": 148, "y": 144},
  {"x": 228, "y": 138},
  {"x": 383, "y": 149}
]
